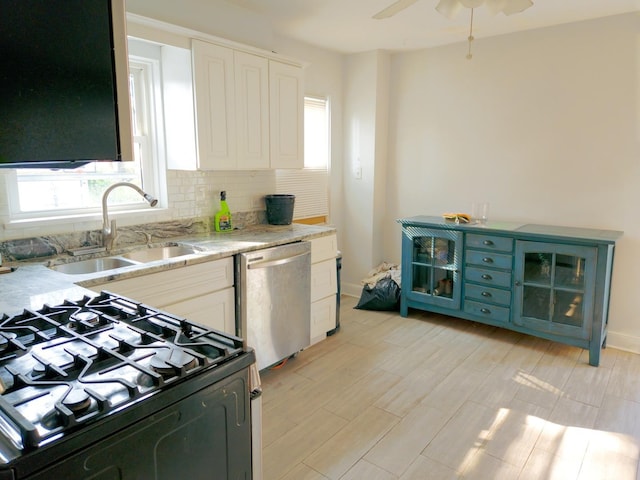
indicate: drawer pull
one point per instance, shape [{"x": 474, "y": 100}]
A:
[
  {"x": 487, "y": 242},
  {"x": 487, "y": 260},
  {"x": 485, "y": 310},
  {"x": 486, "y": 276},
  {"x": 486, "y": 294}
]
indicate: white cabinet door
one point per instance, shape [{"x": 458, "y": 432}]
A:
[
  {"x": 286, "y": 91},
  {"x": 324, "y": 286},
  {"x": 252, "y": 111},
  {"x": 213, "y": 310},
  {"x": 323, "y": 279},
  {"x": 324, "y": 248},
  {"x": 214, "y": 85},
  {"x": 202, "y": 293},
  {"x": 167, "y": 287},
  {"x": 323, "y": 318}
]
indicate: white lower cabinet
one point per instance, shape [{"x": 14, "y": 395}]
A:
[
  {"x": 201, "y": 293},
  {"x": 324, "y": 286},
  {"x": 323, "y": 318},
  {"x": 213, "y": 310}
]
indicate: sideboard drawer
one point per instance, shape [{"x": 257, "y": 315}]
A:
[
  {"x": 487, "y": 294},
  {"x": 488, "y": 277},
  {"x": 489, "y": 242},
  {"x": 492, "y": 312},
  {"x": 489, "y": 259}
]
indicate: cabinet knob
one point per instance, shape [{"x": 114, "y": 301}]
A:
[
  {"x": 518, "y": 283},
  {"x": 487, "y": 260},
  {"x": 486, "y": 294},
  {"x": 486, "y": 276},
  {"x": 485, "y": 310},
  {"x": 487, "y": 242}
]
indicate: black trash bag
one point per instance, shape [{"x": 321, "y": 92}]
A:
[{"x": 385, "y": 295}]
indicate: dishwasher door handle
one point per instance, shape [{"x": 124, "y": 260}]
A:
[{"x": 275, "y": 263}]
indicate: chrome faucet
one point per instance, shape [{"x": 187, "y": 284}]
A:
[{"x": 109, "y": 230}]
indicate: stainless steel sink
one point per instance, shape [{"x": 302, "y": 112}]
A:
[
  {"x": 158, "y": 253},
  {"x": 93, "y": 265},
  {"x": 136, "y": 257}
]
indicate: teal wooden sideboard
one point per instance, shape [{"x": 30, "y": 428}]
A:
[{"x": 549, "y": 281}]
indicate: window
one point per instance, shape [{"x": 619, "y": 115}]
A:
[
  {"x": 38, "y": 193},
  {"x": 316, "y": 133},
  {"x": 311, "y": 184}
]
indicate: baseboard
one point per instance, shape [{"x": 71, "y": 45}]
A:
[
  {"x": 621, "y": 341},
  {"x": 351, "y": 289}
]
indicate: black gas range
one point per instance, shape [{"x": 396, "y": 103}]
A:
[{"x": 108, "y": 388}]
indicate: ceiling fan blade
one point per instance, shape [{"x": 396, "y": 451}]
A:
[
  {"x": 472, "y": 3},
  {"x": 496, "y": 6},
  {"x": 394, "y": 8},
  {"x": 449, "y": 8},
  {"x": 516, "y": 6}
]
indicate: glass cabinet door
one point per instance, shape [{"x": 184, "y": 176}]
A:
[
  {"x": 554, "y": 286},
  {"x": 435, "y": 267}
]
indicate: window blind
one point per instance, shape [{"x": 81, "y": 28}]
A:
[{"x": 311, "y": 188}]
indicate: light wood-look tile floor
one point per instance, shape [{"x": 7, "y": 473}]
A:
[{"x": 433, "y": 397}]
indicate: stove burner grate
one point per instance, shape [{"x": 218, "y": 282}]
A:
[{"x": 67, "y": 365}]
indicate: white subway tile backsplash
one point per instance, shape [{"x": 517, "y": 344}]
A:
[{"x": 190, "y": 195}]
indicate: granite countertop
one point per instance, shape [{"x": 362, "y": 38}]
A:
[{"x": 34, "y": 284}]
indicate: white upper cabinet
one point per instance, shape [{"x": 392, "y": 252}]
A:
[
  {"x": 245, "y": 110},
  {"x": 214, "y": 87},
  {"x": 286, "y": 91},
  {"x": 252, "y": 111}
]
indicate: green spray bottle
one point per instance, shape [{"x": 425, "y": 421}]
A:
[{"x": 222, "y": 220}]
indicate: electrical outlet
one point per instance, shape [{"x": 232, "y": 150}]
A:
[{"x": 357, "y": 171}]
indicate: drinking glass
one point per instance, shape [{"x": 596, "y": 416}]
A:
[{"x": 480, "y": 212}]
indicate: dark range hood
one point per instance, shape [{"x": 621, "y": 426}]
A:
[{"x": 64, "y": 98}]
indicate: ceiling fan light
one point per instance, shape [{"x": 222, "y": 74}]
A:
[
  {"x": 516, "y": 6},
  {"x": 448, "y": 8},
  {"x": 472, "y": 3}
]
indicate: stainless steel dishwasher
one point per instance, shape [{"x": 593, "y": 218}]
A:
[{"x": 274, "y": 301}]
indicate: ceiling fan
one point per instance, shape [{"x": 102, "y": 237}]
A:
[{"x": 449, "y": 8}]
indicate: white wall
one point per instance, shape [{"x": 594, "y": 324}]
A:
[
  {"x": 195, "y": 194},
  {"x": 542, "y": 124},
  {"x": 366, "y": 116}
]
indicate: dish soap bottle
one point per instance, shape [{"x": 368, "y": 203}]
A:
[{"x": 222, "y": 221}]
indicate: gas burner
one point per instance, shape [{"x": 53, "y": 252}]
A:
[
  {"x": 77, "y": 400},
  {"x": 85, "y": 316},
  {"x": 39, "y": 369},
  {"x": 84, "y": 320},
  {"x": 167, "y": 361},
  {"x": 65, "y": 366}
]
